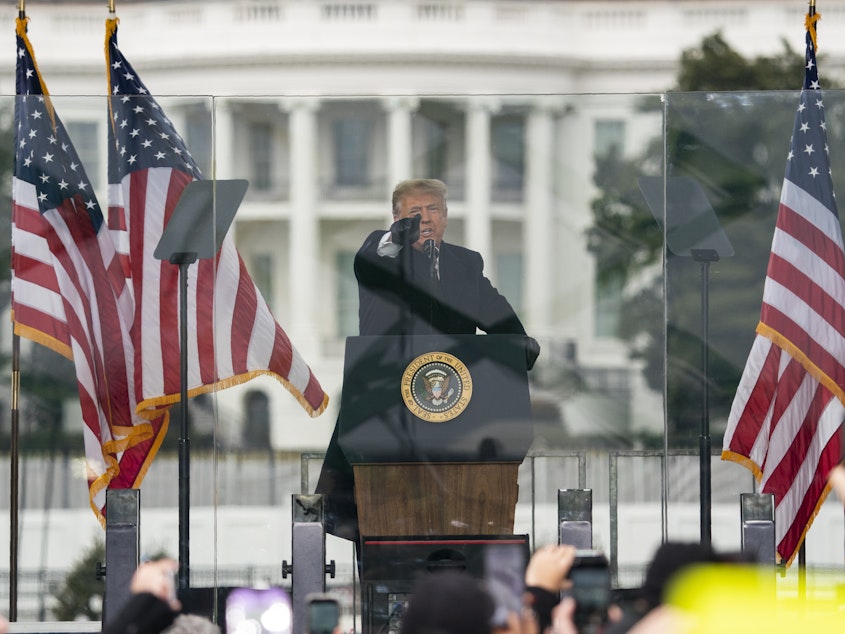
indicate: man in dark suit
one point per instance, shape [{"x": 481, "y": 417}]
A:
[{"x": 411, "y": 282}]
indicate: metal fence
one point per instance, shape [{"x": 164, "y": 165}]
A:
[{"x": 653, "y": 480}]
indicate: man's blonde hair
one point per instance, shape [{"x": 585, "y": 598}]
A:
[{"x": 418, "y": 185}]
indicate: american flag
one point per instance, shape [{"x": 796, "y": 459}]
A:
[
  {"x": 233, "y": 337},
  {"x": 785, "y": 419},
  {"x": 68, "y": 292}
]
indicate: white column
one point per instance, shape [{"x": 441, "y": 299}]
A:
[
  {"x": 479, "y": 182},
  {"x": 399, "y": 139},
  {"x": 304, "y": 228},
  {"x": 537, "y": 226},
  {"x": 224, "y": 140}
]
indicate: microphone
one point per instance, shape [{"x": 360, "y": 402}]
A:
[{"x": 430, "y": 248}]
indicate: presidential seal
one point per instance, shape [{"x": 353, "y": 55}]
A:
[{"x": 436, "y": 387}]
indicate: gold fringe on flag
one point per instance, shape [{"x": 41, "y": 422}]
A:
[
  {"x": 111, "y": 26},
  {"x": 810, "y": 24}
]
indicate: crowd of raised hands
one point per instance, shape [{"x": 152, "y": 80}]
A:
[
  {"x": 713, "y": 594},
  {"x": 449, "y": 604}
]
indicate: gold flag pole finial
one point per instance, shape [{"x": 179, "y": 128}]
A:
[
  {"x": 111, "y": 6},
  {"x": 21, "y": 9}
]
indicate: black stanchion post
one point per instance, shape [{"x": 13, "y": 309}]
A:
[
  {"x": 123, "y": 547},
  {"x": 575, "y": 517}
]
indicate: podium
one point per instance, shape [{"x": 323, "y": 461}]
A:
[{"x": 435, "y": 428}]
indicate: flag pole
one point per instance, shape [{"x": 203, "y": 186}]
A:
[
  {"x": 802, "y": 551},
  {"x": 14, "y": 478},
  {"x": 14, "y": 452},
  {"x": 111, "y": 6}
]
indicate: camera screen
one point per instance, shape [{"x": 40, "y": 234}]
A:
[
  {"x": 504, "y": 573},
  {"x": 323, "y": 616},
  {"x": 591, "y": 586}
]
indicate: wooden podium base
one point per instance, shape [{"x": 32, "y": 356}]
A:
[{"x": 436, "y": 498}]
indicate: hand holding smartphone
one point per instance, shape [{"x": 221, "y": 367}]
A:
[{"x": 591, "y": 588}]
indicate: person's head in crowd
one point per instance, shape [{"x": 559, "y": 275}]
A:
[
  {"x": 647, "y": 611},
  {"x": 426, "y": 198},
  {"x": 448, "y": 602},
  {"x": 669, "y": 559}
]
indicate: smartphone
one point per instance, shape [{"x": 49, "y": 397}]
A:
[
  {"x": 591, "y": 588},
  {"x": 258, "y": 611},
  {"x": 323, "y": 613},
  {"x": 504, "y": 577}
]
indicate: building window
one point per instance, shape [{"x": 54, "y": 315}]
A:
[
  {"x": 352, "y": 152},
  {"x": 608, "y": 305},
  {"x": 85, "y": 137},
  {"x": 198, "y": 138},
  {"x": 508, "y": 140},
  {"x": 509, "y": 278},
  {"x": 435, "y": 139},
  {"x": 261, "y": 155},
  {"x": 255, "y": 433},
  {"x": 609, "y": 137},
  {"x": 347, "y": 295},
  {"x": 262, "y": 275}
]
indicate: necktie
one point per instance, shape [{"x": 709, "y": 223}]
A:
[{"x": 433, "y": 253}]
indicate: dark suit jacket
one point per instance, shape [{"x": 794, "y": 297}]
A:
[{"x": 397, "y": 296}]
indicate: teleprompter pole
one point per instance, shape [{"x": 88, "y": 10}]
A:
[
  {"x": 704, "y": 257},
  {"x": 183, "y": 260}
]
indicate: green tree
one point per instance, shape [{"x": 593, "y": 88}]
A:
[
  {"x": 81, "y": 594},
  {"x": 80, "y": 597},
  {"x": 714, "y": 65}
]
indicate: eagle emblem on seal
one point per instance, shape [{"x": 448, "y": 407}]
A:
[{"x": 437, "y": 385}]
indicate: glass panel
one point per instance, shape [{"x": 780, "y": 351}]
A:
[
  {"x": 618, "y": 309},
  {"x": 732, "y": 149}
]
